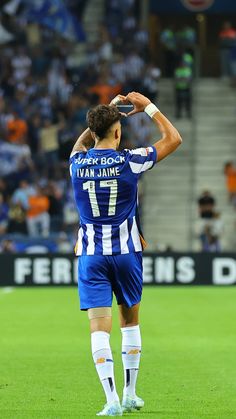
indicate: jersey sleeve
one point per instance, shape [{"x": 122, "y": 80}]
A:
[
  {"x": 142, "y": 159},
  {"x": 73, "y": 156}
]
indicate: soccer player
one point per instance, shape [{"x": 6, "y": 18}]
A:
[{"x": 110, "y": 242}]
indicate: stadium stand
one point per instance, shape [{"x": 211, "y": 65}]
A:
[
  {"x": 167, "y": 215},
  {"x": 209, "y": 141}
]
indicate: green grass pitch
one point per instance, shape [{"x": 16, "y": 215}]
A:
[{"x": 188, "y": 367}]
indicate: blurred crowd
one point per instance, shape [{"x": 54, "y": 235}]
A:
[{"x": 47, "y": 84}]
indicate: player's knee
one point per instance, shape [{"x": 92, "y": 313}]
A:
[
  {"x": 99, "y": 312},
  {"x": 100, "y": 319}
]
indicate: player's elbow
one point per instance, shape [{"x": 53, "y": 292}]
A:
[{"x": 176, "y": 139}]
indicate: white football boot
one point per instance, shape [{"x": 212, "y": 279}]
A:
[
  {"x": 111, "y": 409},
  {"x": 132, "y": 403}
]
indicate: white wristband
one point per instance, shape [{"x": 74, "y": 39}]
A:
[{"x": 151, "y": 109}]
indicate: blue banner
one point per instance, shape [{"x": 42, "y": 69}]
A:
[{"x": 54, "y": 15}]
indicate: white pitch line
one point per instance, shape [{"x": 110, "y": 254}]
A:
[{"x": 7, "y": 290}]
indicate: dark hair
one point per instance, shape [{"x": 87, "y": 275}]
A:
[{"x": 101, "y": 118}]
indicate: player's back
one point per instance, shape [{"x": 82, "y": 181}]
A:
[{"x": 105, "y": 188}]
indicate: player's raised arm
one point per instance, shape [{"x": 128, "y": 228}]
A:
[
  {"x": 84, "y": 142},
  {"x": 86, "y": 139},
  {"x": 171, "y": 138}
]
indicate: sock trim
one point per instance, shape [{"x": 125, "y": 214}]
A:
[
  {"x": 123, "y": 329},
  {"x": 100, "y": 332}
]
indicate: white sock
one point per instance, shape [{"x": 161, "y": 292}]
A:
[
  {"x": 103, "y": 360},
  {"x": 131, "y": 351}
]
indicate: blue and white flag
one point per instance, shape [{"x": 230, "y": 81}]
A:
[{"x": 56, "y": 16}]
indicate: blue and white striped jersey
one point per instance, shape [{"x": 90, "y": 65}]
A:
[{"x": 105, "y": 189}]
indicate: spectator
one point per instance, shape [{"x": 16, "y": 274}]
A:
[
  {"x": 77, "y": 109},
  {"x": 59, "y": 86},
  {"x": 3, "y": 189},
  {"x": 21, "y": 64},
  {"x": 105, "y": 47},
  {"x": 233, "y": 65},
  {"x": 21, "y": 195},
  {"x": 150, "y": 82},
  {"x": 206, "y": 203},
  {"x": 44, "y": 103},
  {"x": 183, "y": 95},
  {"x": 141, "y": 36},
  {"x": 114, "y": 17},
  {"x": 210, "y": 241},
  {"x": 134, "y": 69},
  {"x": 38, "y": 220},
  {"x": 128, "y": 24},
  {"x": 168, "y": 40},
  {"x": 187, "y": 59},
  {"x": 17, "y": 220},
  {"x": 34, "y": 125},
  {"x": 16, "y": 129},
  {"x": 3, "y": 215},
  {"x": 7, "y": 246},
  {"x": 39, "y": 61},
  {"x": 230, "y": 175},
  {"x": 209, "y": 227},
  {"x": 227, "y": 38},
  {"x": 186, "y": 39},
  {"x": 66, "y": 138},
  {"x": 55, "y": 198},
  {"x": 48, "y": 137},
  {"x": 119, "y": 69},
  {"x": 7, "y": 85},
  {"x": 105, "y": 89}
]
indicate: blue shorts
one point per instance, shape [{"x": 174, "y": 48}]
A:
[{"x": 100, "y": 276}]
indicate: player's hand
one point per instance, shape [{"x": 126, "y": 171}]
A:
[
  {"x": 139, "y": 102},
  {"x": 119, "y": 99}
]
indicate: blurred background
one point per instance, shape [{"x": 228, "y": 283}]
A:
[{"x": 59, "y": 58}]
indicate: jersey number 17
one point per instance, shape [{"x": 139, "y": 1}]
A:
[{"x": 90, "y": 187}]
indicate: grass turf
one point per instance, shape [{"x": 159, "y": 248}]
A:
[{"x": 188, "y": 361}]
